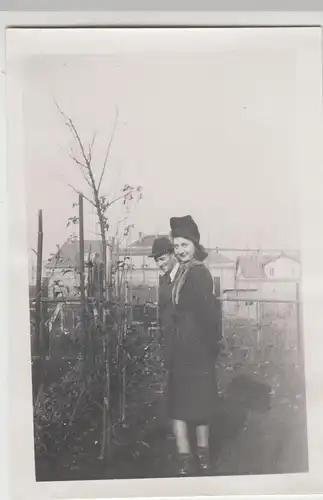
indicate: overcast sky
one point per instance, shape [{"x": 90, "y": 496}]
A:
[{"x": 210, "y": 134}]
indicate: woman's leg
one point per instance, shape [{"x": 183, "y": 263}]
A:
[
  {"x": 202, "y": 440},
  {"x": 202, "y": 436},
  {"x": 181, "y": 435},
  {"x": 185, "y": 457}
]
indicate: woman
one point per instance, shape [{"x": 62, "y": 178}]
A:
[{"x": 192, "y": 383}]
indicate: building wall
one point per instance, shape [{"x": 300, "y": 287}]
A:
[
  {"x": 225, "y": 273},
  {"x": 250, "y": 284},
  {"x": 149, "y": 277},
  {"x": 283, "y": 268},
  {"x": 279, "y": 290},
  {"x": 137, "y": 261},
  {"x": 67, "y": 280},
  {"x": 280, "y": 269}
]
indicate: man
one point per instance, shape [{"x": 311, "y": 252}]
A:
[{"x": 163, "y": 254}]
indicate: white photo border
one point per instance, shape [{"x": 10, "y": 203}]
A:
[{"x": 19, "y": 46}]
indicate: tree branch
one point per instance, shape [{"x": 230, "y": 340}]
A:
[
  {"x": 83, "y": 168},
  {"x": 79, "y": 163},
  {"x": 79, "y": 192},
  {"x": 109, "y": 148},
  {"x": 71, "y": 126},
  {"x": 123, "y": 196},
  {"x": 91, "y": 147}
]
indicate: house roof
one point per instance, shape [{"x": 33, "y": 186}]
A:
[
  {"x": 68, "y": 254},
  {"x": 147, "y": 240},
  {"x": 265, "y": 259},
  {"x": 214, "y": 257},
  {"x": 142, "y": 246},
  {"x": 283, "y": 255},
  {"x": 250, "y": 266}
]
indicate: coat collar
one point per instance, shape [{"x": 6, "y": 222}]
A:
[{"x": 174, "y": 272}]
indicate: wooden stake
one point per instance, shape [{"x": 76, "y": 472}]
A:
[
  {"x": 299, "y": 325},
  {"x": 38, "y": 339},
  {"x": 82, "y": 270},
  {"x": 109, "y": 251}
]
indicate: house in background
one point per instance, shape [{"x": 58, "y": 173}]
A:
[
  {"x": 283, "y": 276},
  {"x": 62, "y": 269},
  {"x": 221, "y": 267},
  {"x": 251, "y": 276},
  {"x": 266, "y": 277},
  {"x": 248, "y": 285},
  {"x": 143, "y": 270},
  {"x": 250, "y": 267},
  {"x": 283, "y": 266}
]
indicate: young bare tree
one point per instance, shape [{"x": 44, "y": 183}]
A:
[
  {"x": 94, "y": 177},
  {"x": 83, "y": 158}
]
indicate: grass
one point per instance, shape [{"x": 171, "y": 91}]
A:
[{"x": 260, "y": 427}]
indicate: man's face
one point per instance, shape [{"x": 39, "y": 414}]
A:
[{"x": 166, "y": 262}]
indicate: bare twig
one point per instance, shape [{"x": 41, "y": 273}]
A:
[
  {"x": 71, "y": 126},
  {"x": 78, "y": 162},
  {"x": 91, "y": 147},
  {"x": 121, "y": 197},
  {"x": 95, "y": 233},
  {"x": 83, "y": 168},
  {"x": 109, "y": 148},
  {"x": 79, "y": 192}
]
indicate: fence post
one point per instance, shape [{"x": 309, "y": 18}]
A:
[
  {"x": 299, "y": 325},
  {"x": 110, "y": 250},
  {"x": 157, "y": 300},
  {"x": 46, "y": 339},
  {"x": 217, "y": 287},
  {"x": 38, "y": 339},
  {"x": 218, "y": 303},
  {"x": 82, "y": 270}
]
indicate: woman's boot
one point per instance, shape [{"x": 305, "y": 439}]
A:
[
  {"x": 203, "y": 457},
  {"x": 186, "y": 464}
]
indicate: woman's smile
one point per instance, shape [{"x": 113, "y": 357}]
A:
[{"x": 184, "y": 249}]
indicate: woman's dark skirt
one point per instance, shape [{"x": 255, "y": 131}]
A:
[{"x": 191, "y": 398}]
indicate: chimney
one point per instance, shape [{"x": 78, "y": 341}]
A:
[{"x": 140, "y": 237}]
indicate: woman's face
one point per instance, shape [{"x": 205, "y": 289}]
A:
[{"x": 184, "y": 249}]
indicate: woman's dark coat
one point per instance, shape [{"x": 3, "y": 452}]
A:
[
  {"x": 192, "y": 389},
  {"x": 167, "y": 331},
  {"x": 166, "y": 317}
]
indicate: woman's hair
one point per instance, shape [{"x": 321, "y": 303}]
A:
[{"x": 200, "y": 252}]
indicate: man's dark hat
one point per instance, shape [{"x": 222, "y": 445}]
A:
[
  {"x": 161, "y": 246},
  {"x": 185, "y": 227}
]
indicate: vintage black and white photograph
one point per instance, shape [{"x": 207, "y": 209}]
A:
[{"x": 162, "y": 188}]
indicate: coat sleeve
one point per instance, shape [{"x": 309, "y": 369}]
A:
[
  {"x": 160, "y": 283},
  {"x": 207, "y": 308}
]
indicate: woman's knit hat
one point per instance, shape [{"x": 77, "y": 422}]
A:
[{"x": 185, "y": 227}]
